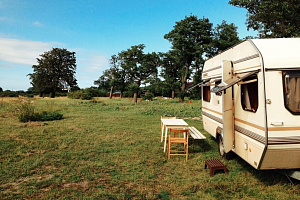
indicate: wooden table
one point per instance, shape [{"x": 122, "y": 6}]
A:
[{"x": 171, "y": 123}]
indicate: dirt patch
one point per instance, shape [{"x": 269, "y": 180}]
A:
[{"x": 80, "y": 185}]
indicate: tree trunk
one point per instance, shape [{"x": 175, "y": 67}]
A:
[
  {"x": 52, "y": 94},
  {"x": 183, "y": 86},
  {"x": 111, "y": 92},
  {"x": 173, "y": 94},
  {"x": 135, "y": 97}
]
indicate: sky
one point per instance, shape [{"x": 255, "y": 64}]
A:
[{"x": 95, "y": 30}]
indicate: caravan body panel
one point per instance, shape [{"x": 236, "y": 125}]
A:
[{"x": 264, "y": 129}]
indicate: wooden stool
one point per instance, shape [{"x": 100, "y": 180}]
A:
[{"x": 214, "y": 164}]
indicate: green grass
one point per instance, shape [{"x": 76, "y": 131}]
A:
[{"x": 111, "y": 149}]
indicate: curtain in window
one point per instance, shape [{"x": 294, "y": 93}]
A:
[
  {"x": 294, "y": 94},
  {"x": 246, "y": 98}
]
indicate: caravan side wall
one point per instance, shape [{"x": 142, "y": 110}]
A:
[
  {"x": 249, "y": 139},
  {"x": 283, "y": 126},
  {"x": 263, "y": 132}
]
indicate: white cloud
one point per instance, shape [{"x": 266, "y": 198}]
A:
[
  {"x": 38, "y": 24},
  {"x": 90, "y": 66},
  {"x": 91, "y": 62},
  {"x": 6, "y": 19},
  {"x": 16, "y": 54},
  {"x": 22, "y": 51}
]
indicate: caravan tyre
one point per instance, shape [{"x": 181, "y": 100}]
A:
[
  {"x": 221, "y": 145},
  {"x": 222, "y": 148}
]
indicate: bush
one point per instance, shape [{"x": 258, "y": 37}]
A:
[
  {"x": 49, "y": 116},
  {"x": 44, "y": 116},
  {"x": 87, "y": 94},
  {"x": 8, "y": 93},
  {"x": 27, "y": 113},
  {"x": 148, "y": 96},
  {"x": 80, "y": 94}
]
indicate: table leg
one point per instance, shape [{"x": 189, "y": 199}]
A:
[
  {"x": 166, "y": 133},
  {"x": 162, "y": 132}
]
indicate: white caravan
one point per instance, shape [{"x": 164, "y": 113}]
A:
[{"x": 251, "y": 102}]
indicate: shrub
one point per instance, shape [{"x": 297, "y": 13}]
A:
[
  {"x": 80, "y": 94},
  {"x": 148, "y": 96},
  {"x": 49, "y": 116},
  {"x": 27, "y": 113},
  {"x": 8, "y": 93}
]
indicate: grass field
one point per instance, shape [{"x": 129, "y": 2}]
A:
[{"x": 111, "y": 149}]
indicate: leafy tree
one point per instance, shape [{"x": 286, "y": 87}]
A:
[
  {"x": 1, "y": 90},
  {"x": 140, "y": 66},
  {"x": 55, "y": 70},
  {"x": 114, "y": 74},
  {"x": 190, "y": 38},
  {"x": 224, "y": 36},
  {"x": 104, "y": 80},
  {"x": 272, "y": 18},
  {"x": 170, "y": 67},
  {"x": 113, "y": 78}
]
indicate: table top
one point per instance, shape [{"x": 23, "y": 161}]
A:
[{"x": 174, "y": 122}]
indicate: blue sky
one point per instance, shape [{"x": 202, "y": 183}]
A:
[{"x": 95, "y": 30}]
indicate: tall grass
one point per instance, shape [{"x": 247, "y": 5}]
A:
[{"x": 111, "y": 149}]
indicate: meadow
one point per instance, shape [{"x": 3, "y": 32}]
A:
[{"x": 110, "y": 149}]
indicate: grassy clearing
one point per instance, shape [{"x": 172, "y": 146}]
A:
[{"x": 111, "y": 149}]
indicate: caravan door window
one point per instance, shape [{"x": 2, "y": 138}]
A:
[
  {"x": 291, "y": 84},
  {"x": 206, "y": 93},
  {"x": 249, "y": 93}
]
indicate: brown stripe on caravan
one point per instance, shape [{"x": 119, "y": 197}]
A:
[
  {"x": 250, "y": 124},
  {"x": 244, "y": 131},
  {"x": 217, "y": 119},
  {"x": 246, "y": 69},
  {"x": 212, "y": 69},
  {"x": 212, "y": 111},
  {"x": 284, "y": 140},
  {"x": 245, "y": 59},
  {"x": 250, "y": 134},
  {"x": 284, "y": 129}
]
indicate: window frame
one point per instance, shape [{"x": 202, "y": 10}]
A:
[
  {"x": 284, "y": 73},
  {"x": 204, "y": 91},
  {"x": 247, "y": 81}
]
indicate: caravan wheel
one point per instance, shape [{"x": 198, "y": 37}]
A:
[{"x": 222, "y": 148}]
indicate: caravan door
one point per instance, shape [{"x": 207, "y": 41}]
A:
[{"x": 227, "y": 109}]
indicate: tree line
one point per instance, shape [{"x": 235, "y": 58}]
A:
[{"x": 193, "y": 40}]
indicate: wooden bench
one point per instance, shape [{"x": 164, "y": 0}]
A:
[
  {"x": 214, "y": 164},
  {"x": 196, "y": 135}
]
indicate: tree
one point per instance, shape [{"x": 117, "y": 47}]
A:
[
  {"x": 140, "y": 66},
  {"x": 272, "y": 18},
  {"x": 170, "y": 67},
  {"x": 224, "y": 36},
  {"x": 190, "y": 38},
  {"x": 55, "y": 70},
  {"x": 1, "y": 90},
  {"x": 113, "y": 78},
  {"x": 109, "y": 78},
  {"x": 104, "y": 80}
]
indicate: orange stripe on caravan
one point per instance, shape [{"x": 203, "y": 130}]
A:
[
  {"x": 246, "y": 68},
  {"x": 284, "y": 129},
  {"x": 250, "y": 124},
  {"x": 212, "y": 111}
]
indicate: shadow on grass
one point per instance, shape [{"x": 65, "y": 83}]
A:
[
  {"x": 267, "y": 177},
  {"x": 199, "y": 146}
]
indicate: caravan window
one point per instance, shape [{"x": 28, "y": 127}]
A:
[
  {"x": 291, "y": 84},
  {"x": 206, "y": 93},
  {"x": 249, "y": 93}
]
